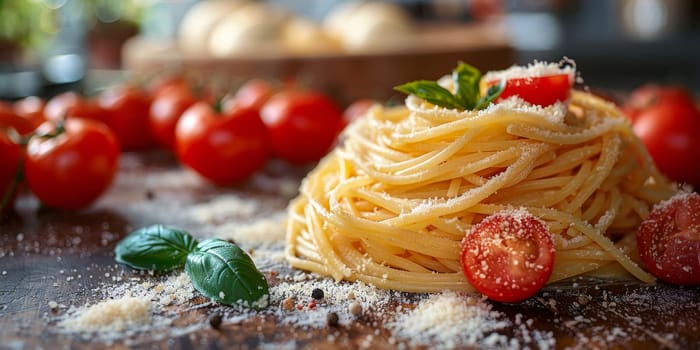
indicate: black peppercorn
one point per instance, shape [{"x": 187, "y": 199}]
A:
[
  {"x": 215, "y": 320},
  {"x": 317, "y": 294},
  {"x": 332, "y": 319}
]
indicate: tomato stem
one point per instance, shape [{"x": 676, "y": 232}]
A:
[{"x": 14, "y": 184}]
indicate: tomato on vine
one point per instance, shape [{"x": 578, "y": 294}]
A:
[
  {"x": 72, "y": 105},
  {"x": 224, "y": 147},
  {"x": 166, "y": 109},
  {"x": 303, "y": 125},
  {"x": 11, "y": 155},
  {"x": 126, "y": 113},
  {"x": 71, "y": 163}
]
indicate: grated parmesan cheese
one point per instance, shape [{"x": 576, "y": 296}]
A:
[{"x": 111, "y": 316}]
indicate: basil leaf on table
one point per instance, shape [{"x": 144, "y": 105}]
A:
[
  {"x": 155, "y": 247},
  {"x": 226, "y": 274}
]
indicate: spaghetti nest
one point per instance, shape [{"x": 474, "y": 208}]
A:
[{"x": 390, "y": 205}]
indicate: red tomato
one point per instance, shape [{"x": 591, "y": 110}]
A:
[
  {"x": 650, "y": 95},
  {"x": 253, "y": 94},
  {"x": 303, "y": 125},
  {"x": 508, "y": 257},
  {"x": 10, "y": 163},
  {"x": 543, "y": 91},
  {"x": 72, "y": 169},
  {"x": 224, "y": 148},
  {"x": 31, "y": 108},
  {"x": 71, "y": 104},
  {"x": 166, "y": 109},
  {"x": 127, "y": 109},
  {"x": 9, "y": 119},
  {"x": 670, "y": 133},
  {"x": 163, "y": 82},
  {"x": 357, "y": 109},
  {"x": 668, "y": 240}
]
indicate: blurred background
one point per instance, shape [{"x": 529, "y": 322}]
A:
[{"x": 50, "y": 46}]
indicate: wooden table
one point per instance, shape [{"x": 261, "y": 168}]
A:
[{"x": 67, "y": 257}]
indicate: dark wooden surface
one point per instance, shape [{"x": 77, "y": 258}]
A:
[{"x": 64, "y": 257}]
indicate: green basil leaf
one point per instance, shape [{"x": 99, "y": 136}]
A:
[
  {"x": 431, "y": 92},
  {"x": 466, "y": 80},
  {"x": 156, "y": 247},
  {"x": 492, "y": 93},
  {"x": 226, "y": 274}
]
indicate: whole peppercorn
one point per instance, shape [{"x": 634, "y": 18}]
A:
[
  {"x": 332, "y": 319},
  {"x": 215, "y": 320},
  {"x": 317, "y": 294}
]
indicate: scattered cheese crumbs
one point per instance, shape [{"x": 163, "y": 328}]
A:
[
  {"x": 446, "y": 319},
  {"x": 224, "y": 206},
  {"x": 266, "y": 231},
  {"x": 111, "y": 315}
]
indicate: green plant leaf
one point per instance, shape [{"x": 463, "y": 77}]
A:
[
  {"x": 224, "y": 273},
  {"x": 431, "y": 92},
  {"x": 466, "y": 80},
  {"x": 492, "y": 93},
  {"x": 155, "y": 247},
  {"x": 467, "y": 95}
]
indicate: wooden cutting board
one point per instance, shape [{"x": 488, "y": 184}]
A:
[{"x": 67, "y": 258}]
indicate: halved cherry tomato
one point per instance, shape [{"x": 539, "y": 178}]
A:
[
  {"x": 543, "y": 91},
  {"x": 224, "y": 148},
  {"x": 127, "y": 109},
  {"x": 508, "y": 256},
  {"x": 73, "y": 167},
  {"x": 303, "y": 125},
  {"x": 10, "y": 162},
  {"x": 71, "y": 104},
  {"x": 166, "y": 109},
  {"x": 668, "y": 240}
]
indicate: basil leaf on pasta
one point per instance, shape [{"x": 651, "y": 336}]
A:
[
  {"x": 466, "y": 79},
  {"x": 431, "y": 92},
  {"x": 466, "y": 96}
]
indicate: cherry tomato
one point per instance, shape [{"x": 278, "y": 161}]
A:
[
  {"x": 166, "y": 109},
  {"x": 127, "y": 109},
  {"x": 73, "y": 168},
  {"x": 253, "y": 94},
  {"x": 9, "y": 119},
  {"x": 31, "y": 108},
  {"x": 357, "y": 109},
  {"x": 508, "y": 257},
  {"x": 651, "y": 95},
  {"x": 303, "y": 125},
  {"x": 10, "y": 163},
  {"x": 543, "y": 91},
  {"x": 71, "y": 104},
  {"x": 224, "y": 148},
  {"x": 670, "y": 133},
  {"x": 668, "y": 240},
  {"x": 163, "y": 82}
]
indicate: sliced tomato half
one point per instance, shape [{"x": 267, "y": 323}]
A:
[
  {"x": 668, "y": 240},
  {"x": 508, "y": 256}
]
